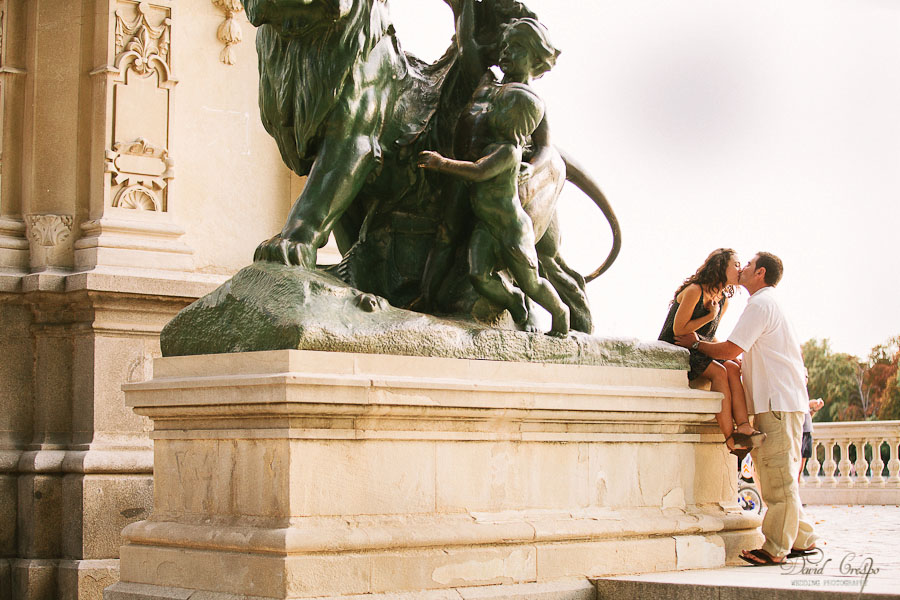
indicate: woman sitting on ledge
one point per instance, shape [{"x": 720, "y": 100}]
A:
[{"x": 698, "y": 305}]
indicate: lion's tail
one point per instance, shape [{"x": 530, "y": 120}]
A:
[{"x": 586, "y": 184}]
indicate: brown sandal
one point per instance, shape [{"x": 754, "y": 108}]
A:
[
  {"x": 748, "y": 440},
  {"x": 798, "y": 552},
  {"x": 759, "y": 558},
  {"x": 740, "y": 449}
]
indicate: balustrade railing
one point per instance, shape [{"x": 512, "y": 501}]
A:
[{"x": 854, "y": 463}]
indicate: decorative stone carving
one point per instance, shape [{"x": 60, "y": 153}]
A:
[
  {"x": 50, "y": 240},
  {"x": 137, "y": 197},
  {"x": 143, "y": 40},
  {"x": 136, "y": 229},
  {"x": 141, "y": 170},
  {"x": 49, "y": 230},
  {"x": 229, "y": 32}
]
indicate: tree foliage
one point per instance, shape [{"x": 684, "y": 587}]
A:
[
  {"x": 890, "y": 404},
  {"x": 885, "y": 378},
  {"x": 831, "y": 377},
  {"x": 854, "y": 389}
]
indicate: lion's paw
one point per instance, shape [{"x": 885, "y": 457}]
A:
[{"x": 278, "y": 249}]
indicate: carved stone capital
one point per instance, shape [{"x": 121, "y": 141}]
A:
[
  {"x": 49, "y": 230},
  {"x": 50, "y": 240}
]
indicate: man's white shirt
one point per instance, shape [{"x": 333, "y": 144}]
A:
[{"x": 773, "y": 372}]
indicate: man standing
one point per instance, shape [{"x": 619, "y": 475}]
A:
[{"x": 774, "y": 383}]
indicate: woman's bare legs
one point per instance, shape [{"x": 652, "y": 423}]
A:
[
  {"x": 718, "y": 378},
  {"x": 738, "y": 400}
]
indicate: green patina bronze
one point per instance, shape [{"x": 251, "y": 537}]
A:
[
  {"x": 438, "y": 182},
  {"x": 351, "y": 110},
  {"x": 270, "y": 306}
]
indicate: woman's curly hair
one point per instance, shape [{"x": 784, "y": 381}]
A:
[{"x": 711, "y": 276}]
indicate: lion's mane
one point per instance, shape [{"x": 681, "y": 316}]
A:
[{"x": 303, "y": 69}]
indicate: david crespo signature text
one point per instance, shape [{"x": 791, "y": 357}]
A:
[{"x": 850, "y": 565}]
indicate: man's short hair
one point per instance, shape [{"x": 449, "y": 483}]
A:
[{"x": 773, "y": 266}]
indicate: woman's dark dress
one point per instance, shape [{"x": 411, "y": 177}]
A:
[{"x": 699, "y": 361}]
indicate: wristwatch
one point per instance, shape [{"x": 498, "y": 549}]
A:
[{"x": 695, "y": 345}]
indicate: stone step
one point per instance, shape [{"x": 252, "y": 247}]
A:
[{"x": 768, "y": 588}]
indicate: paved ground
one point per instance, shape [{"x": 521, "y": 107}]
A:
[{"x": 855, "y": 539}]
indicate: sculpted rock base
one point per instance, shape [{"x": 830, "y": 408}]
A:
[{"x": 269, "y": 306}]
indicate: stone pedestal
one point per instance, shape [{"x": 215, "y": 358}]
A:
[{"x": 295, "y": 474}]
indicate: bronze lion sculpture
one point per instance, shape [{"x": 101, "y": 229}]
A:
[{"x": 349, "y": 109}]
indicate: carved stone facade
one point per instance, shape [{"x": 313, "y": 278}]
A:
[
  {"x": 132, "y": 227},
  {"x": 140, "y": 175},
  {"x": 100, "y": 245},
  {"x": 143, "y": 39},
  {"x": 141, "y": 94},
  {"x": 229, "y": 32}
]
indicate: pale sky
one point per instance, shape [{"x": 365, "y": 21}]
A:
[{"x": 765, "y": 125}]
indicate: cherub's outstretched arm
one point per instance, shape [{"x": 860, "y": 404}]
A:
[{"x": 502, "y": 158}]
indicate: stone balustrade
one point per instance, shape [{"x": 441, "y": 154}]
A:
[{"x": 873, "y": 477}]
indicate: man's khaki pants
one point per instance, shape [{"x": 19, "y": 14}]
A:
[{"x": 777, "y": 464}]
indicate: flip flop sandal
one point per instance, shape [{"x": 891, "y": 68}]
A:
[
  {"x": 798, "y": 552},
  {"x": 762, "y": 559}
]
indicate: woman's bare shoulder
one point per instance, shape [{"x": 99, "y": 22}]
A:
[{"x": 692, "y": 291}]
